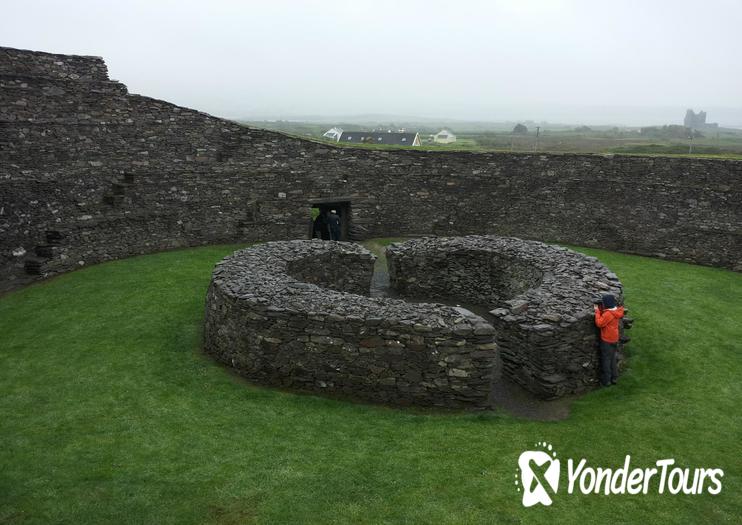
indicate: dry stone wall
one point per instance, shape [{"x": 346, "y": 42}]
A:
[
  {"x": 90, "y": 172},
  {"x": 540, "y": 299},
  {"x": 290, "y": 314}
]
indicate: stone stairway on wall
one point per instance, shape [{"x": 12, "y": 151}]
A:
[
  {"x": 51, "y": 255},
  {"x": 53, "y": 250},
  {"x": 118, "y": 194}
]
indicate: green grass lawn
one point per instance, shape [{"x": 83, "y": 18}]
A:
[{"x": 111, "y": 414}]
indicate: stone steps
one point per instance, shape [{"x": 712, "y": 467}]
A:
[
  {"x": 47, "y": 251},
  {"x": 116, "y": 196},
  {"x": 35, "y": 265},
  {"x": 44, "y": 254}
]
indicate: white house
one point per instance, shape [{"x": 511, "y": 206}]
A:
[
  {"x": 444, "y": 137},
  {"x": 381, "y": 137},
  {"x": 333, "y": 134}
]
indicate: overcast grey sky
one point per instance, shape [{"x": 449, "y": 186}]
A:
[{"x": 591, "y": 61}]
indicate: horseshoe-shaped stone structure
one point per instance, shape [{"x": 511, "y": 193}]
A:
[{"x": 297, "y": 314}]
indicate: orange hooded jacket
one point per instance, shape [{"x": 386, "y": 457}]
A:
[{"x": 608, "y": 321}]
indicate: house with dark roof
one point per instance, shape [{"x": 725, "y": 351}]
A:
[{"x": 380, "y": 137}]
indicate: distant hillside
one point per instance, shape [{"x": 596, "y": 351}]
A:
[{"x": 498, "y": 136}]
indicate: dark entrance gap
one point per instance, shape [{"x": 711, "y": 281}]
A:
[{"x": 319, "y": 207}]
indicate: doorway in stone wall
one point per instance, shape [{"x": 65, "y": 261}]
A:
[{"x": 318, "y": 227}]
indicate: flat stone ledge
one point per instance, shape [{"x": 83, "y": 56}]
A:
[
  {"x": 540, "y": 298},
  {"x": 291, "y": 314}
]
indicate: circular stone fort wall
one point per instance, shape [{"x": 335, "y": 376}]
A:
[
  {"x": 90, "y": 172},
  {"x": 296, "y": 314}
]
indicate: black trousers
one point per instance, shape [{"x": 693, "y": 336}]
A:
[{"x": 608, "y": 362}]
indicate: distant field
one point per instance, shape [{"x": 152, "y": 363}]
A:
[{"x": 724, "y": 144}]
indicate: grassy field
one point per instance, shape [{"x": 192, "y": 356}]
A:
[
  {"x": 727, "y": 143},
  {"x": 111, "y": 414}
]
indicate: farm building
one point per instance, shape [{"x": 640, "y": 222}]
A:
[
  {"x": 381, "y": 137},
  {"x": 333, "y": 134},
  {"x": 444, "y": 137}
]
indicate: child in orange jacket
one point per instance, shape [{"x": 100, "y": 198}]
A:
[{"x": 608, "y": 318}]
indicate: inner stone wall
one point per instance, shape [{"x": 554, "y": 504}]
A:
[
  {"x": 341, "y": 268},
  {"x": 304, "y": 330},
  {"x": 447, "y": 268},
  {"x": 540, "y": 299},
  {"x": 89, "y": 172}
]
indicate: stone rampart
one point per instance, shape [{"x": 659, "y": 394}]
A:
[{"x": 89, "y": 172}]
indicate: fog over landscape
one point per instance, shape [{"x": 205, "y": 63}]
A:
[{"x": 577, "y": 61}]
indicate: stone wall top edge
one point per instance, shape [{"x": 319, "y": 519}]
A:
[
  {"x": 256, "y": 277},
  {"x": 146, "y": 98},
  {"x": 80, "y": 68},
  {"x": 571, "y": 280},
  {"x": 522, "y": 154},
  {"x": 495, "y": 244},
  {"x": 46, "y": 53},
  {"x": 62, "y": 82}
]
